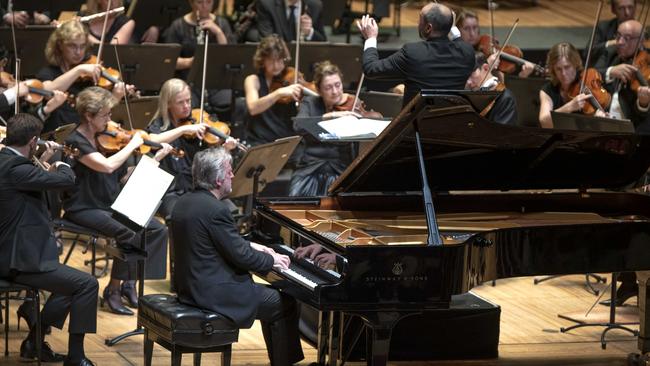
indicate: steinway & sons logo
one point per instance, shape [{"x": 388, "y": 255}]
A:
[{"x": 397, "y": 271}]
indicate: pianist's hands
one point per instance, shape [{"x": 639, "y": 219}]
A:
[{"x": 280, "y": 261}]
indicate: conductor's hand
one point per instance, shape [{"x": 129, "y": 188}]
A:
[
  {"x": 368, "y": 27},
  {"x": 280, "y": 261}
]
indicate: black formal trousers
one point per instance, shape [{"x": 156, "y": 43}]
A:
[
  {"x": 103, "y": 222},
  {"x": 278, "y": 314},
  {"x": 73, "y": 292}
]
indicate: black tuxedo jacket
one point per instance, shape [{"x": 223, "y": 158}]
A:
[
  {"x": 27, "y": 242},
  {"x": 626, "y": 97},
  {"x": 212, "y": 260},
  {"x": 433, "y": 64},
  {"x": 605, "y": 30},
  {"x": 272, "y": 18}
]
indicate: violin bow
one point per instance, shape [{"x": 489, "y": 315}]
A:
[
  {"x": 356, "y": 95},
  {"x": 641, "y": 36},
  {"x": 498, "y": 54},
  {"x": 101, "y": 41},
  {"x": 583, "y": 81},
  {"x": 126, "y": 99},
  {"x": 10, "y": 9},
  {"x": 491, "y": 10},
  {"x": 205, "y": 37},
  {"x": 297, "y": 25}
]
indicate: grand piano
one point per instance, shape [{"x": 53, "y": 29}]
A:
[{"x": 444, "y": 200}]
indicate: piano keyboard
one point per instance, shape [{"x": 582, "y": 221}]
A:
[{"x": 299, "y": 278}]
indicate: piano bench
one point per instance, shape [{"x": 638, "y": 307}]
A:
[{"x": 182, "y": 329}]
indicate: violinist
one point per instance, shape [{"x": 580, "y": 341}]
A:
[
  {"x": 280, "y": 17},
  {"x": 119, "y": 28},
  {"x": 321, "y": 163},
  {"x": 433, "y": 63},
  {"x": 619, "y": 73},
  {"x": 470, "y": 32},
  {"x": 28, "y": 251},
  {"x": 504, "y": 108},
  {"x": 66, "y": 51},
  {"x": 605, "y": 36},
  {"x": 267, "y": 119},
  {"x": 97, "y": 187},
  {"x": 186, "y": 31}
]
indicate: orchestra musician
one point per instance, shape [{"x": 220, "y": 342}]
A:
[
  {"x": 321, "y": 163},
  {"x": 119, "y": 28},
  {"x": 615, "y": 64},
  {"x": 433, "y": 63},
  {"x": 565, "y": 66},
  {"x": 186, "y": 31},
  {"x": 280, "y": 17},
  {"x": 97, "y": 187},
  {"x": 504, "y": 108},
  {"x": 268, "y": 120},
  {"x": 28, "y": 251},
  {"x": 66, "y": 51},
  {"x": 21, "y": 19},
  {"x": 213, "y": 261},
  {"x": 470, "y": 32},
  {"x": 605, "y": 36}
]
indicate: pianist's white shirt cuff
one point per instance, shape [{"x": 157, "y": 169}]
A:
[{"x": 370, "y": 43}]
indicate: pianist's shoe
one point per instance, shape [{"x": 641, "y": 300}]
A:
[{"x": 623, "y": 293}]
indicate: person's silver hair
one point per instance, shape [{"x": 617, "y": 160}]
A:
[{"x": 208, "y": 167}]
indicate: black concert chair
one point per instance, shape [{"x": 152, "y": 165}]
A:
[{"x": 6, "y": 290}]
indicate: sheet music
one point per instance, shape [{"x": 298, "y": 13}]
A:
[
  {"x": 350, "y": 126},
  {"x": 140, "y": 197}
]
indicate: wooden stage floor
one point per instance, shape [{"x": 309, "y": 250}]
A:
[{"x": 529, "y": 330}]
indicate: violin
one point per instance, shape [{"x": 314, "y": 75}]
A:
[
  {"x": 65, "y": 149},
  {"x": 347, "y": 104},
  {"x": 642, "y": 63},
  {"x": 114, "y": 138},
  {"x": 7, "y": 80},
  {"x": 287, "y": 78},
  {"x": 511, "y": 56},
  {"x": 218, "y": 132},
  {"x": 599, "y": 99},
  {"x": 109, "y": 76},
  {"x": 37, "y": 92}
]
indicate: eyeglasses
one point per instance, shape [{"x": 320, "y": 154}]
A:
[
  {"x": 105, "y": 115},
  {"x": 625, "y": 38}
]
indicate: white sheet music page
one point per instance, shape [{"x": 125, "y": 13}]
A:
[
  {"x": 140, "y": 197},
  {"x": 350, "y": 126}
]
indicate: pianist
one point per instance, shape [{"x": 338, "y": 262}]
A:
[{"x": 213, "y": 260}]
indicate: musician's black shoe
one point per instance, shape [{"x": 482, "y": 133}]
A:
[
  {"x": 113, "y": 300},
  {"x": 623, "y": 293},
  {"x": 28, "y": 351},
  {"x": 129, "y": 293},
  {"x": 84, "y": 362}
]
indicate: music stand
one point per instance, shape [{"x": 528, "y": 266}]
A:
[
  {"x": 147, "y": 185},
  {"x": 160, "y": 13},
  {"x": 142, "y": 112},
  {"x": 348, "y": 57},
  {"x": 527, "y": 92},
  {"x": 582, "y": 122},
  {"x": 229, "y": 64},
  {"x": 59, "y": 134},
  {"x": 146, "y": 65},
  {"x": 30, "y": 42},
  {"x": 388, "y": 104}
]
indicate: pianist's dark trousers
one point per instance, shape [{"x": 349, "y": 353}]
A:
[{"x": 279, "y": 316}]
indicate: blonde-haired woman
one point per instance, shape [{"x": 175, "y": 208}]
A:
[
  {"x": 119, "y": 28},
  {"x": 564, "y": 66}
]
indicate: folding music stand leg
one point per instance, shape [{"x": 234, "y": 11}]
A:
[{"x": 588, "y": 284}]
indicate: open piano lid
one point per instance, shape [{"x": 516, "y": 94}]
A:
[{"x": 464, "y": 151}]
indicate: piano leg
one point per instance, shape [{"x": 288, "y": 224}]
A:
[
  {"x": 643, "y": 277},
  {"x": 380, "y": 326},
  {"x": 323, "y": 336},
  {"x": 334, "y": 337}
]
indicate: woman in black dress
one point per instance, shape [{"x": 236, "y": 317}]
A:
[{"x": 119, "y": 28}]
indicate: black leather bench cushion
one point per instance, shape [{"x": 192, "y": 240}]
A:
[{"x": 184, "y": 325}]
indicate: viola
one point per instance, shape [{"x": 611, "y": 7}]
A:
[
  {"x": 218, "y": 132},
  {"x": 37, "y": 92},
  {"x": 511, "y": 56},
  {"x": 65, "y": 149},
  {"x": 642, "y": 63},
  {"x": 7, "y": 80},
  {"x": 286, "y": 78},
  {"x": 600, "y": 98},
  {"x": 347, "y": 104},
  {"x": 114, "y": 138}
]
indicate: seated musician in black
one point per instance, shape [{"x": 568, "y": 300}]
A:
[
  {"x": 565, "y": 66},
  {"x": 119, "y": 28},
  {"x": 280, "y": 17},
  {"x": 504, "y": 108},
  {"x": 28, "y": 252},
  {"x": 213, "y": 260},
  {"x": 618, "y": 72},
  {"x": 321, "y": 163}
]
